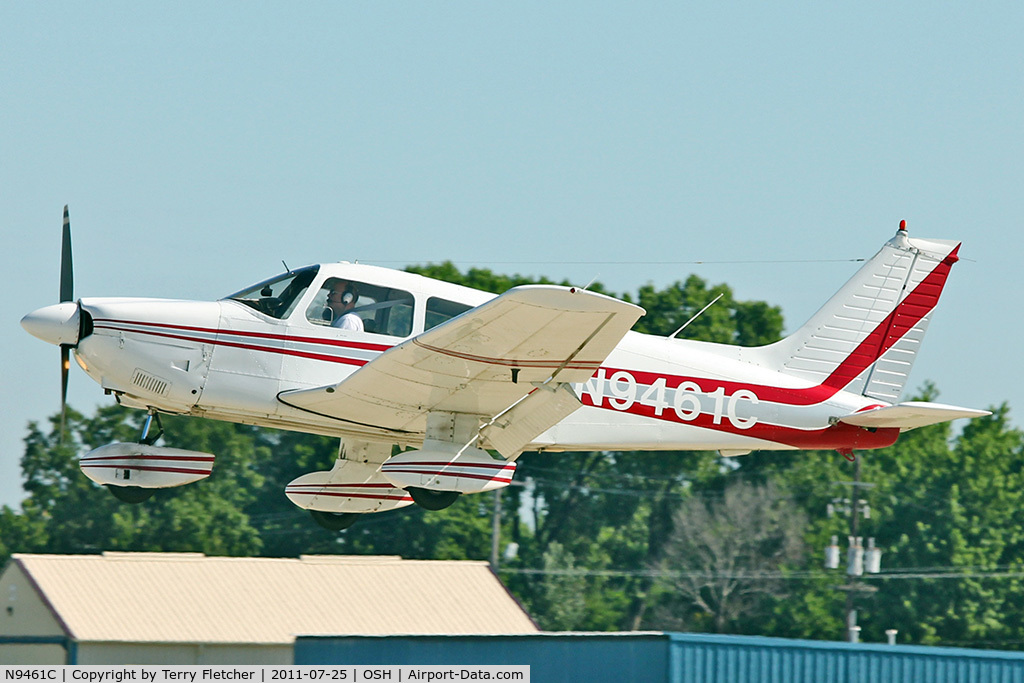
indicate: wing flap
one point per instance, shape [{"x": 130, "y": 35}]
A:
[
  {"x": 539, "y": 411},
  {"x": 910, "y": 415}
]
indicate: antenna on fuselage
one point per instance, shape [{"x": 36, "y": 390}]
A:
[
  {"x": 285, "y": 266},
  {"x": 697, "y": 315}
]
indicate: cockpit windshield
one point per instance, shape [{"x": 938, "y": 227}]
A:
[{"x": 277, "y": 296}]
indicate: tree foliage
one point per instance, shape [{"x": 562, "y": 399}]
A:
[
  {"x": 66, "y": 513},
  {"x": 725, "y": 553}
]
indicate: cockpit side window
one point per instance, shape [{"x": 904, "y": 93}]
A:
[
  {"x": 442, "y": 310},
  {"x": 383, "y": 310},
  {"x": 278, "y": 296}
]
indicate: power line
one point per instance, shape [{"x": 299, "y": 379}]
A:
[
  {"x": 771, "y": 575},
  {"x": 617, "y": 263}
]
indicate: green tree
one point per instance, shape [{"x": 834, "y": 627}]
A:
[
  {"x": 563, "y": 605},
  {"x": 727, "y": 321},
  {"x": 960, "y": 507},
  {"x": 940, "y": 504},
  {"x": 723, "y": 558}
]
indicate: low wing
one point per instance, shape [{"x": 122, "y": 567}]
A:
[
  {"x": 910, "y": 415},
  {"x": 489, "y": 361}
]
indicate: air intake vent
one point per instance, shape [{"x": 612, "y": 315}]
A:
[
  {"x": 85, "y": 323},
  {"x": 149, "y": 383}
]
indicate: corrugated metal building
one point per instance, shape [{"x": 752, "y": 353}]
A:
[
  {"x": 674, "y": 657},
  {"x": 186, "y": 608}
]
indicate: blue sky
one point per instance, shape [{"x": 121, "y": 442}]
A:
[{"x": 200, "y": 144}]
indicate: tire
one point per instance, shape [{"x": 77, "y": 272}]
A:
[
  {"x": 433, "y": 500},
  {"x": 334, "y": 521},
  {"x": 132, "y": 495}
]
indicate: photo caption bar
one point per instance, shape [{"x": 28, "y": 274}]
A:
[{"x": 153, "y": 673}]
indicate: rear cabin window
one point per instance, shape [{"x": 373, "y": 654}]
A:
[{"x": 442, "y": 310}]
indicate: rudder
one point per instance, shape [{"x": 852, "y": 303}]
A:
[{"x": 866, "y": 337}]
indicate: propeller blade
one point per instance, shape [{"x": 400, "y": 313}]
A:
[
  {"x": 67, "y": 277},
  {"x": 67, "y": 293},
  {"x": 65, "y": 366}
]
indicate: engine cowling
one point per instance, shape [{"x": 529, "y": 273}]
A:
[{"x": 142, "y": 466}]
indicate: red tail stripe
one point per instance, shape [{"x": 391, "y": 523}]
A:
[{"x": 907, "y": 314}]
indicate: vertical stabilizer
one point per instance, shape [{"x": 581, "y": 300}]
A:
[{"x": 865, "y": 338}]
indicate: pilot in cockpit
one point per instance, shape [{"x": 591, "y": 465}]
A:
[{"x": 341, "y": 299}]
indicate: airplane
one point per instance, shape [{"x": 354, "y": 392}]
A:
[{"x": 434, "y": 389}]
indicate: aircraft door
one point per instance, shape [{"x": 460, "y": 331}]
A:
[
  {"x": 245, "y": 370},
  {"x": 345, "y": 325}
]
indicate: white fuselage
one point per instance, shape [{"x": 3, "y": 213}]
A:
[{"x": 230, "y": 360}]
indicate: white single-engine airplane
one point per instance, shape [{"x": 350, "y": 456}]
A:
[{"x": 387, "y": 360}]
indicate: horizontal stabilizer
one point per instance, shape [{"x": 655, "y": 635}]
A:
[{"x": 910, "y": 415}]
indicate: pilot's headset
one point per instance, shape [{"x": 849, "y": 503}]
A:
[{"x": 350, "y": 294}]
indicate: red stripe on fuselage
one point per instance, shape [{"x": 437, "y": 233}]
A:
[
  {"x": 366, "y": 346},
  {"x": 840, "y": 435},
  {"x": 218, "y": 340}
]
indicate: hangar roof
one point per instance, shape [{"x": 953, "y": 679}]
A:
[{"x": 188, "y": 597}]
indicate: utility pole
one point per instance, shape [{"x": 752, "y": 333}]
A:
[
  {"x": 854, "y": 558},
  {"x": 858, "y": 559},
  {"x": 496, "y": 530}
]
